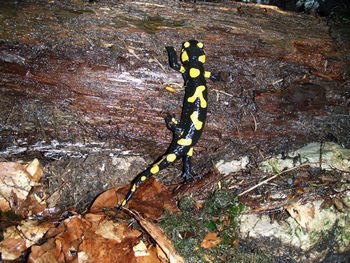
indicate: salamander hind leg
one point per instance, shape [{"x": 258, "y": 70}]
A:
[
  {"x": 212, "y": 76},
  {"x": 187, "y": 167}
]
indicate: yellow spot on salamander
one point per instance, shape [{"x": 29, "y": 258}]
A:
[
  {"x": 182, "y": 69},
  {"x": 194, "y": 72},
  {"x": 173, "y": 120},
  {"x": 133, "y": 188},
  {"x": 171, "y": 157},
  {"x": 197, "y": 123},
  {"x": 154, "y": 169},
  {"x": 190, "y": 152},
  {"x": 207, "y": 74},
  {"x": 199, "y": 94},
  {"x": 143, "y": 178},
  {"x": 184, "y": 56},
  {"x": 200, "y": 45},
  {"x": 124, "y": 202},
  {"x": 186, "y": 44},
  {"x": 184, "y": 142},
  {"x": 202, "y": 58}
]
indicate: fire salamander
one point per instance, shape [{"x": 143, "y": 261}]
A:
[{"x": 188, "y": 131}]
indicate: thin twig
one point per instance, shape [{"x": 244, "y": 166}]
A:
[
  {"x": 277, "y": 81},
  {"x": 223, "y": 92},
  {"x": 160, "y": 64},
  {"x": 272, "y": 177},
  {"x": 255, "y": 123}
]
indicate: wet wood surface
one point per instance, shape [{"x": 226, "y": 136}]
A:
[{"x": 78, "y": 77}]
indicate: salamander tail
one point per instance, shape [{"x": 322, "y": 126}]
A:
[{"x": 164, "y": 161}]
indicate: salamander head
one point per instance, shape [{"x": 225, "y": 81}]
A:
[{"x": 192, "y": 52}]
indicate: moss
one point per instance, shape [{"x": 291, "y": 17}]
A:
[{"x": 219, "y": 214}]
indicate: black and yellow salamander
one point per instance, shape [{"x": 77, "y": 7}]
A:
[{"x": 194, "y": 112}]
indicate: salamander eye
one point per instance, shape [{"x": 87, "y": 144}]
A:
[
  {"x": 201, "y": 58},
  {"x": 186, "y": 44},
  {"x": 200, "y": 45}
]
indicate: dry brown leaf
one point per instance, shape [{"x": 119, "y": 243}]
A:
[
  {"x": 34, "y": 204},
  {"x": 40, "y": 253},
  {"x": 52, "y": 232},
  {"x": 140, "y": 249},
  {"x": 16, "y": 182},
  {"x": 33, "y": 168},
  {"x": 45, "y": 258},
  {"x": 303, "y": 214},
  {"x": 32, "y": 231},
  {"x": 150, "y": 199},
  {"x": 109, "y": 241},
  {"x": 211, "y": 240},
  {"x": 19, "y": 238},
  {"x": 4, "y": 205},
  {"x": 95, "y": 219},
  {"x": 13, "y": 244},
  {"x": 92, "y": 238},
  {"x": 67, "y": 242},
  {"x": 111, "y": 230},
  {"x": 95, "y": 248},
  {"x": 64, "y": 246},
  {"x": 158, "y": 235},
  {"x": 109, "y": 199},
  {"x": 151, "y": 258}
]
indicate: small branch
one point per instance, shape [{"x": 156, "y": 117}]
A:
[{"x": 271, "y": 178}]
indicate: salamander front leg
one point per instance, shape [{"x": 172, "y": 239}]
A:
[
  {"x": 174, "y": 64},
  {"x": 212, "y": 77},
  {"x": 173, "y": 58}
]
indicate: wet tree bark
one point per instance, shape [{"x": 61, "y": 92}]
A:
[{"x": 84, "y": 77}]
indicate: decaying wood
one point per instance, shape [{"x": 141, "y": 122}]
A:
[{"x": 79, "y": 77}]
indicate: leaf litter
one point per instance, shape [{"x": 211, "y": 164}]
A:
[
  {"x": 101, "y": 234},
  {"x": 205, "y": 224}
]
